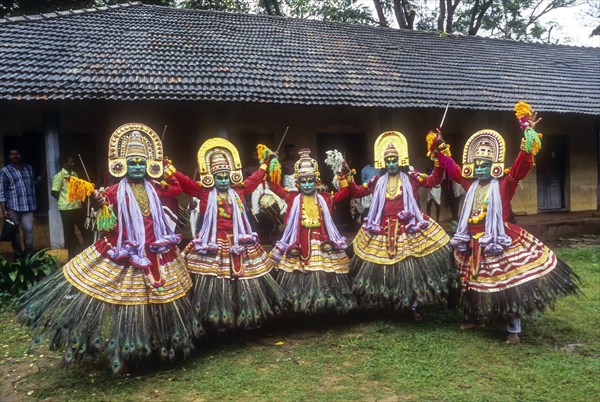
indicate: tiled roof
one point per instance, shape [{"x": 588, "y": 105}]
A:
[{"x": 143, "y": 52}]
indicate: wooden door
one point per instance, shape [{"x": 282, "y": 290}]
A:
[{"x": 551, "y": 173}]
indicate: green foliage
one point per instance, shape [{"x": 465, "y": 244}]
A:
[
  {"x": 239, "y": 6},
  {"x": 329, "y": 10},
  {"x": 345, "y": 11},
  {"x": 10, "y": 8},
  {"x": 22, "y": 274},
  {"x": 510, "y": 19},
  {"x": 518, "y": 19}
]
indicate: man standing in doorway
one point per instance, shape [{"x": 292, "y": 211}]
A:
[
  {"x": 71, "y": 213},
  {"x": 17, "y": 199}
]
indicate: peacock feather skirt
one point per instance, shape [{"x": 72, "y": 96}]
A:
[
  {"x": 395, "y": 268},
  {"x": 233, "y": 291},
  {"x": 95, "y": 306},
  {"x": 314, "y": 276},
  {"x": 526, "y": 277}
]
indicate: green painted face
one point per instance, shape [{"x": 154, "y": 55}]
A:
[
  {"x": 136, "y": 167},
  {"x": 222, "y": 181},
  {"x": 308, "y": 185},
  {"x": 391, "y": 164},
  {"x": 483, "y": 169}
]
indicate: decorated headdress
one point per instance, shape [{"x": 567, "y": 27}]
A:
[
  {"x": 390, "y": 143},
  {"x": 135, "y": 139},
  {"x": 218, "y": 154},
  {"x": 484, "y": 144},
  {"x": 306, "y": 166}
]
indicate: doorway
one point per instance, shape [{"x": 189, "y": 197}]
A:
[
  {"x": 354, "y": 147},
  {"x": 32, "y": 148},
  {"x": 551, "y": 173}
]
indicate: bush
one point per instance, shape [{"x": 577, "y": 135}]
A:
[{"x": 22, "y": 274}]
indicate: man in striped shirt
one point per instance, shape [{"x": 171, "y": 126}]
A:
[{"x": 17, "y": 199}]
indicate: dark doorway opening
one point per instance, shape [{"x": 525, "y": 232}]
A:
[
  {"x": 354, "y": 147},
  {"x": 551, "y": 173},
  {"x": 33, "y": 152}
]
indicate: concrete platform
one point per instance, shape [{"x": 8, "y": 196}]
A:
[{"x": 552, "y": 226}]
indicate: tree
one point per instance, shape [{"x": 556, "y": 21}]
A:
[
  {"x": 330, "y": 10},
  {"x": 403, "y": 10},
  {"x": 446, "y": 14},
  {"x": 239, "y": 6},
  {"x": 272, "y": 7},
  {"x": 510, "y": 19},
  {"x": 593, "y": 10},
  {"x": 520, "y": 19},
  {"x": 9, "y": 8},
  {"x": 379, "y": 8}
]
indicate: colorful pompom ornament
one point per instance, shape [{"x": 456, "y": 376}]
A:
[
  {"x": 430, "y": 139},
  {"x": 263, "y": 153},
  {"x": 524, "y": 113},
  {"x": 106, "y": 219},
  {"x": 78, "y": 189},
  {"x": 533, "y": 141},
  {"x": 523, "y": 109}
]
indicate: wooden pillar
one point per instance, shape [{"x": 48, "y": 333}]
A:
[
  {"x": 597, "y": 130},
  {"x": 51, "y": 122}
]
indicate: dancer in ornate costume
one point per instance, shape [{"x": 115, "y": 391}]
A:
[
  {"x": 311, "y": 263},
  {"x": 230, "y": 269},
  {"x": 402, "y": 257},
  {"x": 504, "y": 271},
  {"x": 124, "y": 297}
]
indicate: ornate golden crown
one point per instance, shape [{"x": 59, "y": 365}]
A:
[
  {"x": 135, "y": 139},
  {"x": 484, "y": 144},
  {"x": 306, "y": 166},
  {"x": 218, "y": 154},
  {"x": 391, "y": 143}
]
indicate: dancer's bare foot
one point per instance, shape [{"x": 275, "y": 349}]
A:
[
  {"x": 471, "y": 325},
  {"x": 417, "y": 316},
  {"x": 513, "y": 339}
]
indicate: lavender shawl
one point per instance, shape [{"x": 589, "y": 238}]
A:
[
  {"x": 131, "y": 221},
  {"x": 494, "y": 239},
  {"x": 206, "y": 241},
  {"x": 411, "y": 210},
  {"x": 290, "y": 235}
]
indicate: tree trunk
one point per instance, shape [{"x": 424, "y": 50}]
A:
[
  {"x": 410, "y": 20},
  {"x": 272, "y": 7},
  {"x": 380, "y": 15},
  {"x": 450, "y": 9},
  {"x": 400, "y": 14},
  {"x": 441, "y": 16},
  {"x": 477, "y": 14}
]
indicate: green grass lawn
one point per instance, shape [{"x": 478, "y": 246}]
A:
[{"x": 368, "y": 356}]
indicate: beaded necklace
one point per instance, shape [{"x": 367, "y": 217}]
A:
[
  {"x": 480, "y": 202},
  {"x": 223, "y": 202}
]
